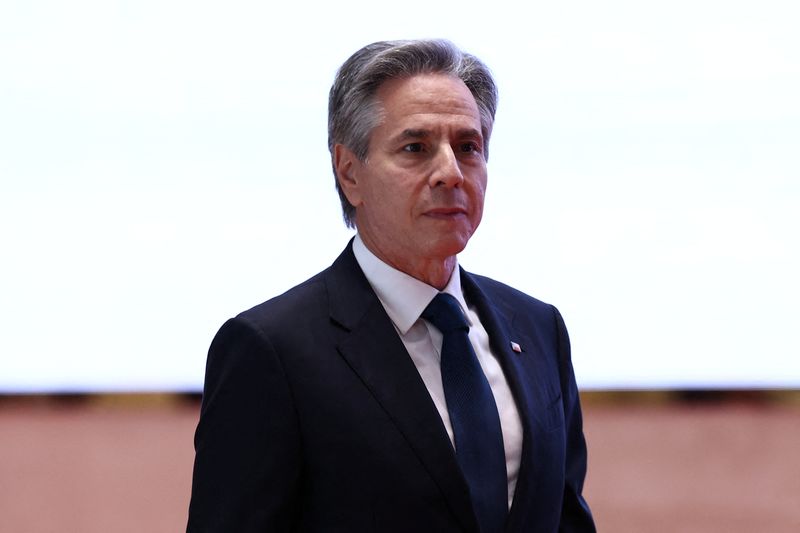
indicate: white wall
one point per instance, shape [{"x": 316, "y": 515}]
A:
[{"x": 163, "y": 166}]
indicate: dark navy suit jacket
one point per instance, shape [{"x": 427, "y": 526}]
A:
[{"x": 315, "y": 419}]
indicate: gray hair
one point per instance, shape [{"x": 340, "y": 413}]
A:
[{"x": 354, "y": 111}]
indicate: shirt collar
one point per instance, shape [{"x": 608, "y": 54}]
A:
[{"x": 403, "y": 297}]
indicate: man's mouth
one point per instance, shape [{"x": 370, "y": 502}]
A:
[{"x": 446, "y": 213}]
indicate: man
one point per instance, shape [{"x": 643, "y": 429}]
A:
[{"x": 395, "y": 392}]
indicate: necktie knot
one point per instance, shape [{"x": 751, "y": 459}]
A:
[{"x": 445, "y": 313}]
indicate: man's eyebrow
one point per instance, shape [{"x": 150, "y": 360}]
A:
[
  {"x": 411, "y": 133},
  {"x": 470, "y": 132}
]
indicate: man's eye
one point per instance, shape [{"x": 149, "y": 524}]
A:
[
  {"x": 413, "y": 147},
  {"x": 469, "y": 147}
]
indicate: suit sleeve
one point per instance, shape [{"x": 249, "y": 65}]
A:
[
  {"x": 247, "y": 465},
  {"x": 575, "y": 514}
]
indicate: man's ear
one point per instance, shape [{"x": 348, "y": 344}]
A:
[{"x": 347, "y": 166}]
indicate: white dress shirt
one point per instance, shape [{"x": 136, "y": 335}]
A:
[{"x": 405, "y": 298}]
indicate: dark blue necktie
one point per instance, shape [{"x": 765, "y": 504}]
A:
[{"x": 473, "y": 415}]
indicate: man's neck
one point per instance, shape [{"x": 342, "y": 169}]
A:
[{"x": 434, "y": 272}]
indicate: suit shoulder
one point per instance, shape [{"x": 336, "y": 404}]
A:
[
  {"x": 303, "y": 300},
  {"x": 497, "y": 290}
]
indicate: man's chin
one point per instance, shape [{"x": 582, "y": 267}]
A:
[{"x": 450, "y": 246}]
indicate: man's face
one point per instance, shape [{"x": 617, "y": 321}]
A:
[{"x": 419, "y": 193}]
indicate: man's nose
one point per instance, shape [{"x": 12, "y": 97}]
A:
[{"x": 446, "y": 170}]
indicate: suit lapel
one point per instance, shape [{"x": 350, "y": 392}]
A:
[
  {"x": 529, "y": 379},
  {"x": 371, "y": 346}
]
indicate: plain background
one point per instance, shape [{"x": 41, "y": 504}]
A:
[{"x": 163, "y": 166}]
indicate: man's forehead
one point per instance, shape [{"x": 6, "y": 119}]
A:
[
  {"x": 427, "y": 90},
  {"x": 426, "y": 101}
]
